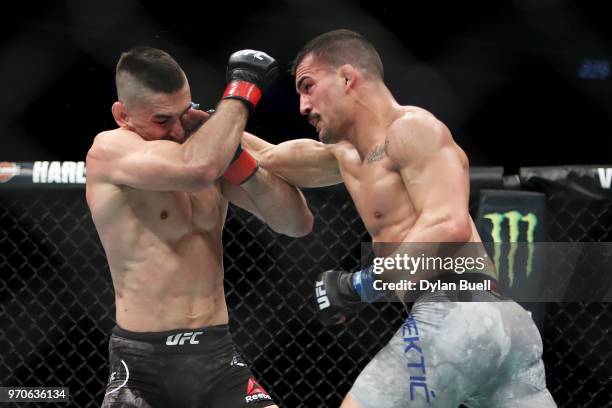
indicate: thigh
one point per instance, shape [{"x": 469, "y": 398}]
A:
[
  {"x": 131, "y": 381},
  {"x": 522, "y": 380},
  {"x": 350, "y": 402},
  {"x": 236, "y": 387},
  {"x": 443, "y": 353},
  {"x": 513, "y": 396},
  {"x": 402, "y": 373}
]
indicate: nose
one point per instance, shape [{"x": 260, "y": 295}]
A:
[
  {"x": 305, "y": 105},
  {"x": 177, "y": 131}
]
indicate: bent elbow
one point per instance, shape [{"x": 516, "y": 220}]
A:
[
  {"x": 305, "y": 226},
  {"x": 300, "y": 227},
  {"x": 203, "y": 176},
  {"x": 203, "y": 170},
  {"x": 458, "y": 230},
  {"x": 266, "y": 158}
]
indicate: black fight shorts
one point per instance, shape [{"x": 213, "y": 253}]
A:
[{"x": 180, "y": 368}]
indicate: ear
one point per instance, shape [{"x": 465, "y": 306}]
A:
[
  {"x": 350, "y": 75},
  {"x": 120, "y": 114}
]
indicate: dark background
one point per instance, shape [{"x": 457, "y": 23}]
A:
[{"x": 518, "y": 82}]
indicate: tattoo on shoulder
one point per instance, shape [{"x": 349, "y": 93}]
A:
[{"x": 378, "y": 152}]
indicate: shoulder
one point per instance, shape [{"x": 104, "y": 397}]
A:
[
  {"x": 340, "y": 149},
  {"x": 416, "y": 133},
  {"x": 110, "y": 138},
  {"x": 418, "y": 125},
  {"x": 111, "y": 141},
  {"x": 106, "y": 147}
]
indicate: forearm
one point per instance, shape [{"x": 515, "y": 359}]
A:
[
  {"x": 302, "y": 162},
  {"x": 419, "y": 255},
  {"x": 255, "y": 144},
  {"x": 281, "y": 205},
  {"x": 444, "y": 229},
  {"x": 338, "y": 292},
  {"x": 213, "y": 145}
]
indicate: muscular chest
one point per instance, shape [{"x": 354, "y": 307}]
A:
[
  {"x": 175, "y": 214},
  {"x": 379, "y": 194}
]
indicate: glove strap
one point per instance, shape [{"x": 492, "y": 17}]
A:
[
  {"x": 242, "y": 168},
  {"x": 244, "y": 91},
  {"x": 363, "y": 283}
]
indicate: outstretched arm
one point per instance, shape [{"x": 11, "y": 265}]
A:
[
  {"x": 274, "y": 201},
  {"x": 302, "y": 162}
]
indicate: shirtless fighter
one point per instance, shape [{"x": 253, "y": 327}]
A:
[
  {"x": 410, "y": 183},
  {"x": 158, "y": 188}
]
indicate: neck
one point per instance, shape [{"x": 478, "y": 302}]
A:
[{"x": 377, "y": 110}]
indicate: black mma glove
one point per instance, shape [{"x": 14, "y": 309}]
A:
[
  {"x": 248, "y": 73},
  {"x": 336, "y": 297}
]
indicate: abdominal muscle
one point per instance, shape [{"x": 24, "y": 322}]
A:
[
  {"x": 172, "y": 287},
  {"x": 390, "y": 240}
]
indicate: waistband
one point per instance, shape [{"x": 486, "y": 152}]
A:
[{"x": 177, "y": 337}]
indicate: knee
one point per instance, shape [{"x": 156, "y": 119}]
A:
[{"x": 350, "y": 402}]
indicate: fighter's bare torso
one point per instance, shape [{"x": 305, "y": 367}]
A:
[
  {"x": 165, "y": 254},
  {"x": 407, "y": 181},
  {"x": 378, "y": 189}
]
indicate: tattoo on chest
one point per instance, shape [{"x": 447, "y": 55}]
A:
[{"x": 378, "y": 152}]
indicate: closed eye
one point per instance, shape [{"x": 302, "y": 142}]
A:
[
  {"x": 161, "y": 120},
  {"x": 304, "y": 84}
]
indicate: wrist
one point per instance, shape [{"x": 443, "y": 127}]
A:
[
  {"x": 363, "y": 284},
  {"x": 246, "y": 92},
  {"x": 242, "y": 167},
  {"x": 235, "y": 107},
  {"x": 357, "y": 281}
]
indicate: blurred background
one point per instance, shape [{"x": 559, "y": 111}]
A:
[{"x": 519, "y": 82}]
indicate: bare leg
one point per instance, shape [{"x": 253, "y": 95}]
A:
[{"x": 349, "y": 402}]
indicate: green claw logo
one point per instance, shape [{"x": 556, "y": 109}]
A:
[{"x": 516, "y": 221}]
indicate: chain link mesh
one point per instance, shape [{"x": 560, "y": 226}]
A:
[
  {"x": 57, "y": 310},
  {"x": 577, "y": 336}
]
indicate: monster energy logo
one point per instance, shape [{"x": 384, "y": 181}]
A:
[{"x": 515, "y": 221}]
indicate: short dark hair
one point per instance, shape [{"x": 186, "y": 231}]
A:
[
  {"x": 341, "y": 47},
  {"x": 153, "y": 68}
]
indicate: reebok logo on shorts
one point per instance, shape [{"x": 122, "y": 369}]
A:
[{"x": 255, "y": 392}]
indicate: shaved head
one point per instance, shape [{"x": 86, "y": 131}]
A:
[
  {"x": 144, "y": 70},
  {"x": 339, "y": 47}
]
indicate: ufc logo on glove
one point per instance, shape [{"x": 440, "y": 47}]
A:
[
  {"x": 256, "y": 54},
  {"x": 321, "y": 295}
]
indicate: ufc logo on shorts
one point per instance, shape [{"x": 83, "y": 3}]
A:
[
  {"x": 181, "y": 338},
  {"x": 255, "y": 54},
  {"x": 321, "y": 295}
]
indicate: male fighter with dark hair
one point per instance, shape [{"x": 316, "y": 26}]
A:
[
  {"x": 158, "y": 188},
  {"x": 410, "y": 183}
]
